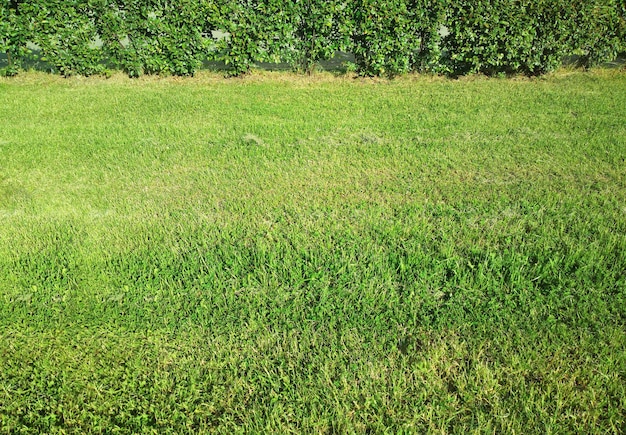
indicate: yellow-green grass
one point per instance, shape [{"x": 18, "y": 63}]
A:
[{"x": 326, "y": 254}]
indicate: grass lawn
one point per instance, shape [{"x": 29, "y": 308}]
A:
[{"x": 321, "y": 255}]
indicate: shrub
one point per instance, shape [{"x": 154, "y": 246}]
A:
[
  {"x": 317, "y": 30},
  {"x": 381, "y": 39},
  {"x": 256, "y": 32},
  {"x": 426, "y": 18},
  {"x": 13, "y": 36},
  {"x": 386, "y": 38},
  {"x": 155, "y": 37},
  {"x": 599, "y": 33},
  {"x": 396, "y": 36},
  {"x": 501, "y": 36},
  {"x": 66, "y": 34}
]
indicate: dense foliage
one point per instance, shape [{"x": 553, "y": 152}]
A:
[
  {"x": 13, "y": 36},
  {"x": 155, "y": 36},
  {"x": 319, "y": 28},
  {"x": 500, "y": 36},
  {"x": 530, "y": 36},
  {"x": 387, "y": 38},
  {"x": 600, "y": 30},
  {"x": 65, "y": 32}
]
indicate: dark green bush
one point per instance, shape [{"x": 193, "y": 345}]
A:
[
  {"x": 599, "y": 33},
  {"x": 65, "y": 32},
  {"x": 154, "y": 36},
  {"x": 13, "y": 36},
  {"x": 531, "y": 36},
  {"x": 301, "y": 32},
  {"x": 382, "y": 41},
  {"x": 256, "y": 31},
  {"x": 503, "y": 36},
  {"x": 396, "y": 36},
  {"x": 426, "y": 17},
  {"x": 387, "y": 38},
  {"x": 317, "y": 30}
]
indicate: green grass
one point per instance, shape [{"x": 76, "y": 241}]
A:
[{"x": 281, "y": 254}]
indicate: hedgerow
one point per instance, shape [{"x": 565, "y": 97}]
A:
[
  {"x": 13, "y": 36},
  {"x": 599, "y": 33},
  {"x": 531, "y": 36},
  {"x": 500, "y": 36},
  {"x": 66, "y": 34},
  {"x": 255, "y": 32},
  {"x": 155, "y": 36},
  {"x": 395, "y": 36},
  {"x": 317, "y": 29},
  {"x": 387, "y": 38}
]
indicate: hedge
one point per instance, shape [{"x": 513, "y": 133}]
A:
[
  {"x": 155, "y": 36},
  {"x": 531, "y": 36},
  {"x": 13, "y": 36},
  {"x": 317, "y": 29},
  {"x": 396, "y": 36},
  {"x": 599, "y": 31},
  {"x": 387, "y": 38}
]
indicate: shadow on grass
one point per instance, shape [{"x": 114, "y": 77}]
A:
[{"x": 338, "y": 64}]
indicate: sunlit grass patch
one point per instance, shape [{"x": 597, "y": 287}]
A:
[{"x": 282, "y": 254}]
